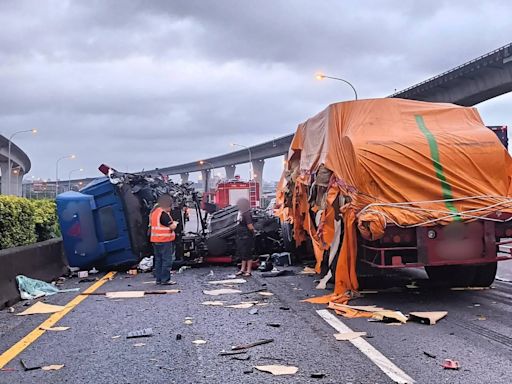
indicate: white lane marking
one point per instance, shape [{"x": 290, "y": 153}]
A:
[{"x": 381, "y": 361}]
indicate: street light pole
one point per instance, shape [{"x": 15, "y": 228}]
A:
[
  {"x": 250, "y": 157},
  {"x": 321, "y": 76},
  {"x": 34, "y": 131},
  {"x": 69, "y": 176},
  {"x": 57, "y": 171}
]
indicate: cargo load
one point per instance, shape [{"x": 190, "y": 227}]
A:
[{"x": 398, "y": 183}]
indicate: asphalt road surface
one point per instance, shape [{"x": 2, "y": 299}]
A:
[{"x": 476, "y": 333}]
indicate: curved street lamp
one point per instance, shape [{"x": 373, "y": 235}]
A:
[
  {"x": 34, "y": 131},
  {"x": 250, "y": 157},
  {"x": 321, "y": 76},
  {"x": 71, "y": 157}
]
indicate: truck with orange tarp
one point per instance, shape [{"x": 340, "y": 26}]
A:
[{"x": 395, "y": 183}]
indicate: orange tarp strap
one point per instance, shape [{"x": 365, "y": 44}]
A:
[{"x": 346, "y": 278}]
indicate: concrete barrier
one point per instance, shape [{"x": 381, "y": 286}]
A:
[{"x": 43, "y": 261}]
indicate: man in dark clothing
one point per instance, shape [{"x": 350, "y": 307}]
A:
[
  {"x": 245, "y": 237},
  {"x": 162, "y": 229}
]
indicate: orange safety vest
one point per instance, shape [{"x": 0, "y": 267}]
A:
[{"x": 159, "y": 232}]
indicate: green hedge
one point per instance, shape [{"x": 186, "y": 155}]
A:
[{"x": 24, "y": 221}]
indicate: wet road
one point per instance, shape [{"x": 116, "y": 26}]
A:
[{"x": 476, "y": 332}]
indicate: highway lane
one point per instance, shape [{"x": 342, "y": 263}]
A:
[{"x": 476, "y": 332}]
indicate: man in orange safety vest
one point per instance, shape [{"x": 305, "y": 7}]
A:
[{"x": 162, "y": 237}]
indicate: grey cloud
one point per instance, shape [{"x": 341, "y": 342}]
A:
[{"x": 145, "y": 84}]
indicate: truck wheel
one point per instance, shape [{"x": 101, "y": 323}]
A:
[
  {"x": 452, "y": 275},
  {"x": 485, "y": 274}
]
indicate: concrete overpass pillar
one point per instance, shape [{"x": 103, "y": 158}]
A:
[
  {"x": 184, "y": 177},
  {"x": 16, "y": 180},
  {"x": 230, "y": 171},
  {"x": 205, "y": 175},
  {"x": 257, "y": 169}
]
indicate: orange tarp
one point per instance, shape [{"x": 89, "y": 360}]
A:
[{"x": 393, "y": 161}]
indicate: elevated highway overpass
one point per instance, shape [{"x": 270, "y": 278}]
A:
[{"x": 20, "y": 165}]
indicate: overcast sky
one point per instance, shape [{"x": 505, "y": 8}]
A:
[{"x": 145, "y": 84}]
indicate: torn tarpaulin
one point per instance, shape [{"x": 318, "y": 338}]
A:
[{"x": 32, "y": 289}]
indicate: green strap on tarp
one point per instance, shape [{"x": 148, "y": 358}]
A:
[{"x": 438, "y": 167}]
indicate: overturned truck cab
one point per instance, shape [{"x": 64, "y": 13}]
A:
[{"x": 395, "y": 183}]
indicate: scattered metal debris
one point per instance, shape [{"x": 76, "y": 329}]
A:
[
  {"x": 251, "y": 345},
  {"x": 146, "y": 332}
]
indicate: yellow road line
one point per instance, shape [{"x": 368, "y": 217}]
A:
[{"x": 17, "y": 348}]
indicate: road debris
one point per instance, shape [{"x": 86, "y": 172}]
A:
[
  {"x": 56, "y": 329},
  {"x": 283, "y": 272},
  {"x": 125, "y": 294},
  {"x": 41, "y": 308},
  {"x": 178, "y": 336},
  {"x": 53, "y": 367},
  {"x": 222, "y": 291},
  {"x": 308, "y": 271},
  {"x": 345, "y": 336},
  {"x": 32, "y": 289},
  {"x": 214, "y": 303},
  {"x": 188, "y": 322},
  {"x": 199, "y": 342},
  {"x": 146, "y": 264},
  {"x": 481, "y": 318},
  {"x": 318, "y": 375},
  {"x": 241, "y": 358},
  {"x": 132, "y": 272},
  {"x": 139, "y": 345},
  {"x": 274, "y": 325},
  {"x": 450, "y": 364},
  {"x": 251, "y": 345},
  {"x": 284, "y": 308},
  {"x": 11, "y": 310},
  {"x": 253, "y": 311},
  {"x": 428, "y": 354},
  {"x": 240, "y": 306},
  {"x": 429, "y": 318},
  {"x": 28, "y": 367},
  {"x": 83, "y": 274},
  {"x": 184, "y": 268},
  {"x": 368, "y": 311},
  {"x": 265, "y": 293},
  {"x": 229, "y": 281},
  {"x": 277, "y": 370},
  {"x": 146, "y": 332},
  {"x": 116, "y": 337},
  {"x": 132, "y": 294},
  {"x": 88, "y": 280},
  {"x": 231, "y": 353}
]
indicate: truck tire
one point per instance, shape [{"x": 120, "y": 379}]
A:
[
  {"x": 452, "y": 275},
  {"x": 485, "y": 274}
]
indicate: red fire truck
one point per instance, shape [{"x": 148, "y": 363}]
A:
[{"x": 228, "y": 192}]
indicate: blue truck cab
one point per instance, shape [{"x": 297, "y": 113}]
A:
[{"x": 100, "y": 225}]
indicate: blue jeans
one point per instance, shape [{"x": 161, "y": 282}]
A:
[{"x": 164, "y": 257}]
